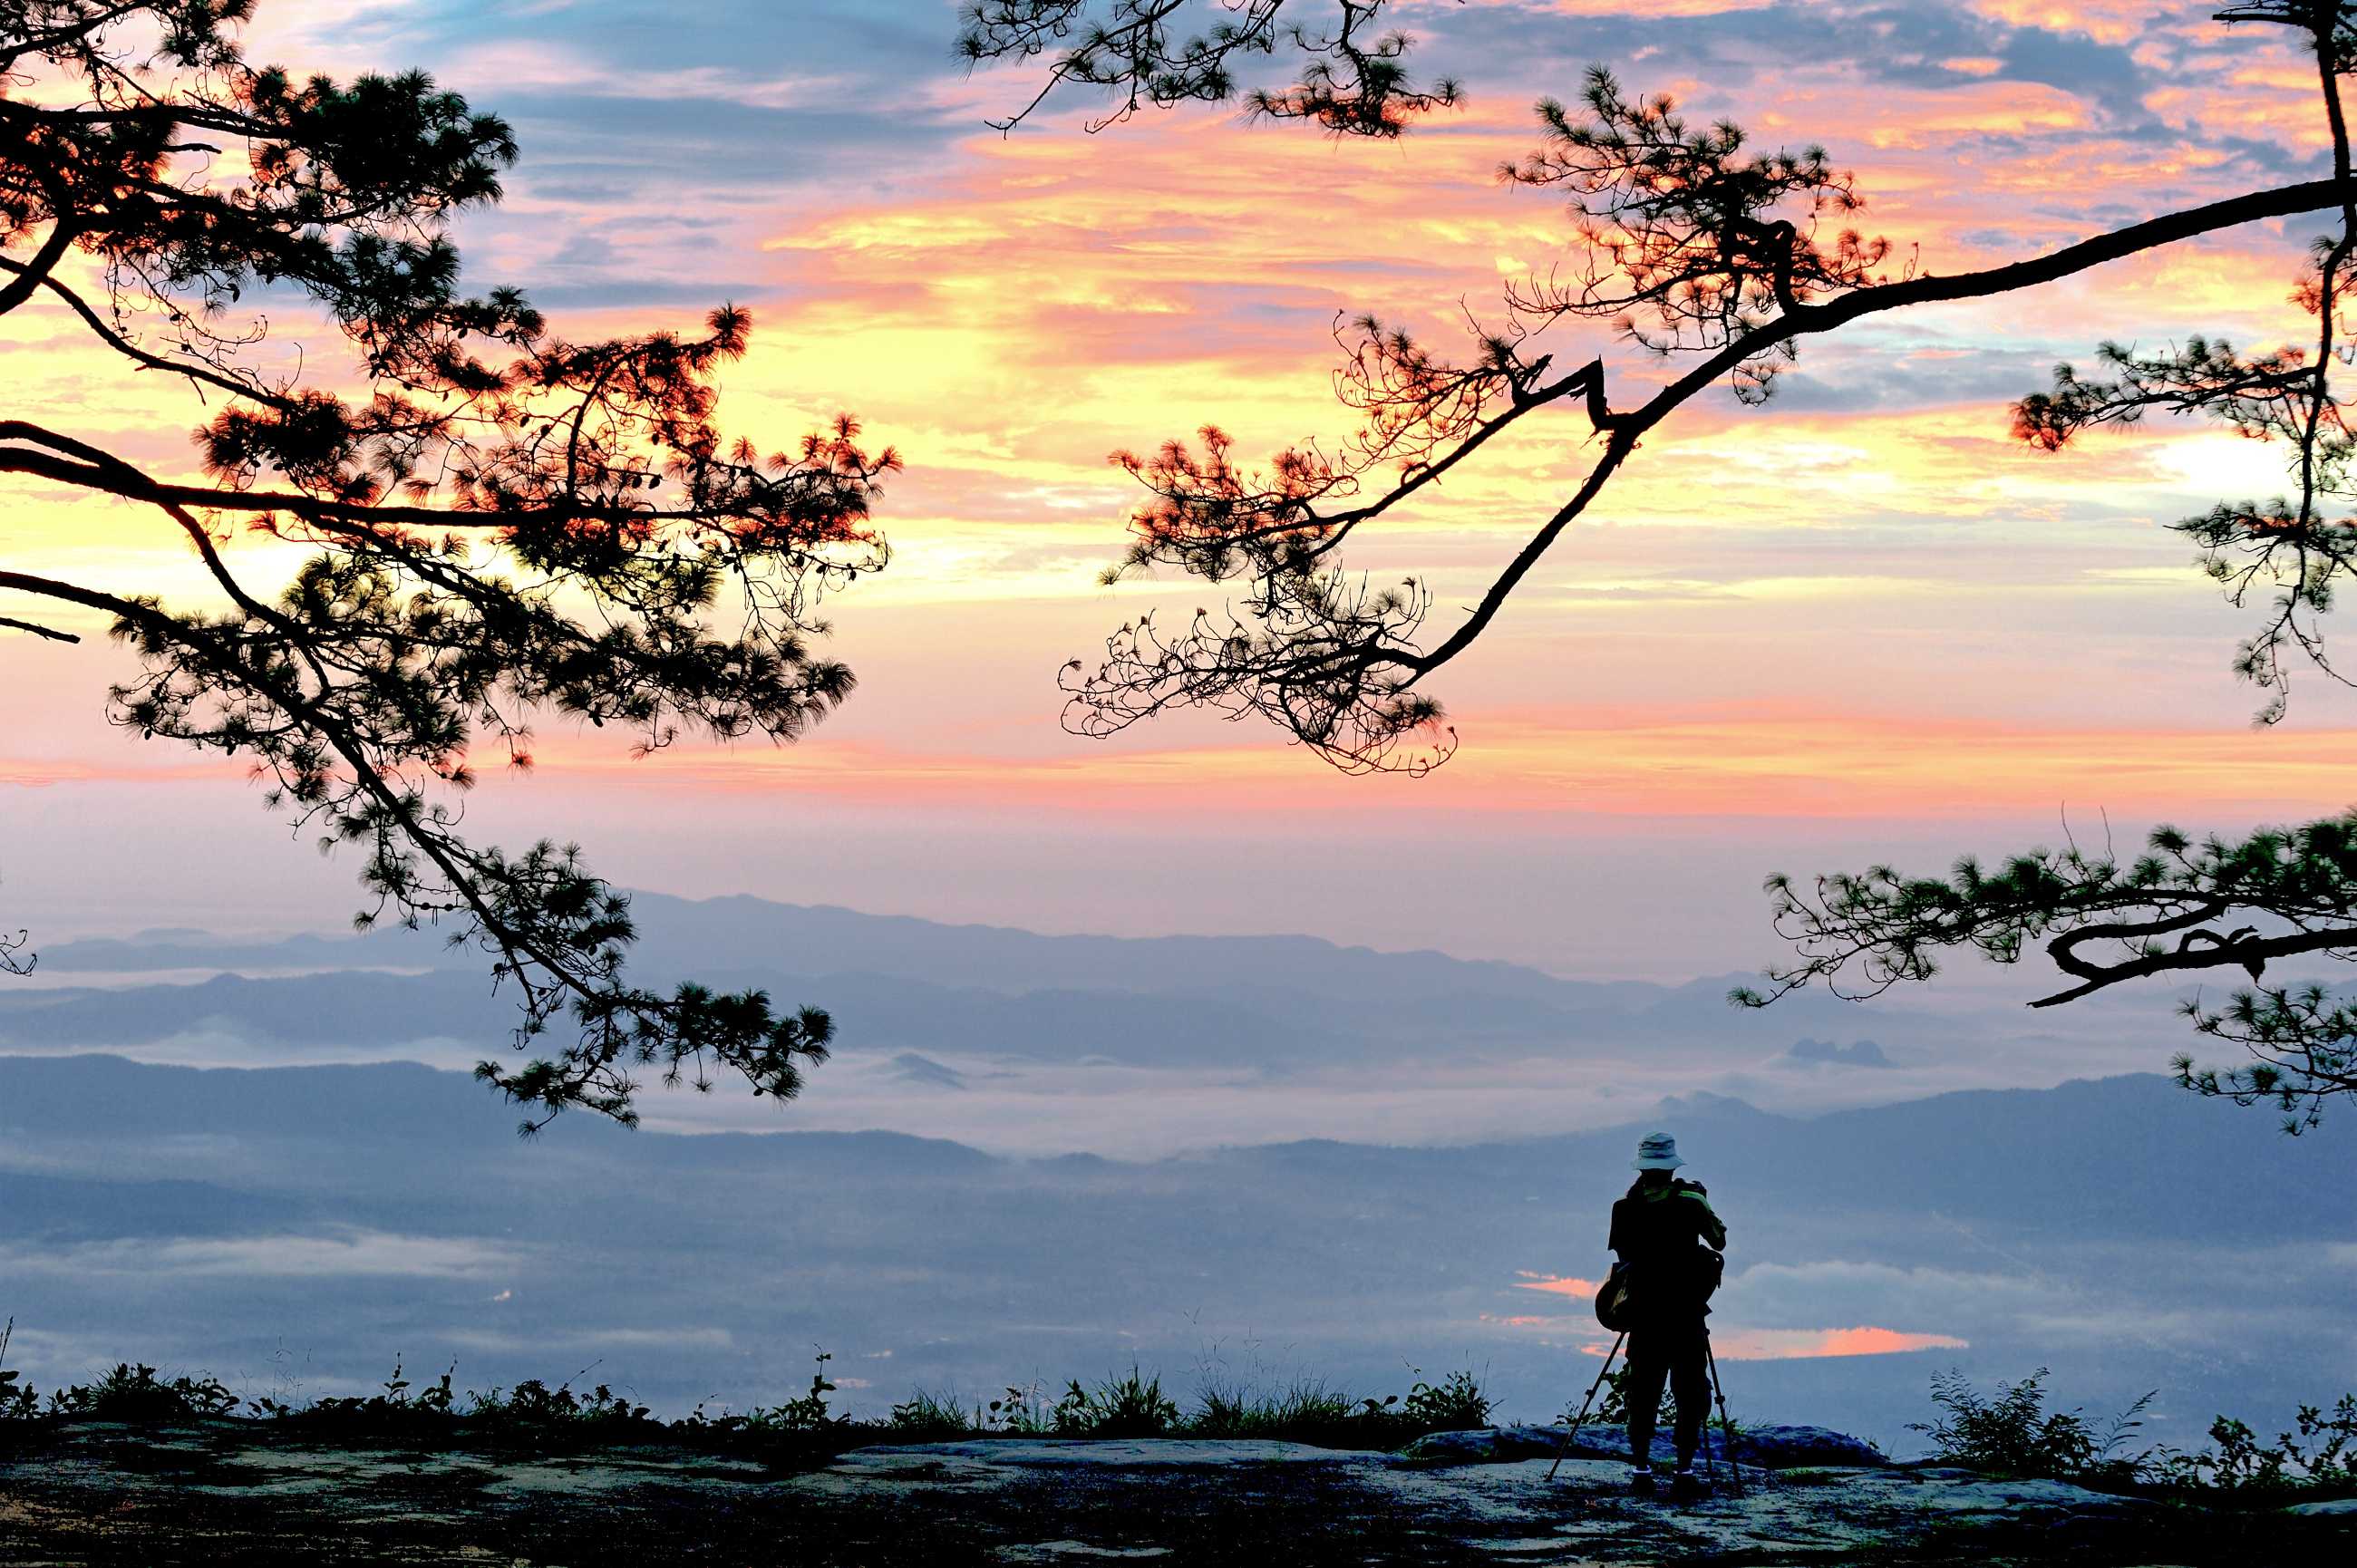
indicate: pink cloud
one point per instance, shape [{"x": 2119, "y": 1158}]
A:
[
  {"x": 1810, "y": 1344},
  {"x": 1791, "y": 1344}
]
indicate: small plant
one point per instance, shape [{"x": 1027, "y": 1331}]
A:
[
  {"x": 1024, "y": 1411},
  {"x": 809, "y": 1412},
  {"x": 2015, "y": 1434}
]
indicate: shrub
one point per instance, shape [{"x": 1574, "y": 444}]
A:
[
  {"x": 2322, "y": 1456},
  {"x": 2015, "y": 1434},
  {"x": 1454, "y": 1404},
  {"x": 135, "y": 1393}
]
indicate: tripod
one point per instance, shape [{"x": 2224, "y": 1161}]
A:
[
  {"x": 1601, "y": 1374},
  {"x": 1726, "y": 1422},
  {"x": 1718, "y": 1392}
]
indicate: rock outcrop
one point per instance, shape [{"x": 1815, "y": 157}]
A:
[
  {"x": 1770, "y": 1447},
  {"x": 254, "y": 1493}
]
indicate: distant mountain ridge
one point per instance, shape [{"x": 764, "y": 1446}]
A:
[
  {"x": 897, "y": 982},
  {"x": 739, "y": 931}
]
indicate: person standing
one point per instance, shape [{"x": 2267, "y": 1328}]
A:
[{"x": 1660, "y": 1233}]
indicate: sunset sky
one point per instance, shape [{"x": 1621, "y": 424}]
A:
[{"x": 1857, "y": 624}]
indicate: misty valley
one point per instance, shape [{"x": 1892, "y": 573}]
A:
[{"x": 301, "y": 1227}]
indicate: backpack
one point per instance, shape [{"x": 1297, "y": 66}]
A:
[
  {"x": 1618, "y": 1304},
  {"x": 1614, "y": 1308}
]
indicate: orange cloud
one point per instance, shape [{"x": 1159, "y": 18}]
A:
[
  {"x": 1806, "y": 1344},
  {"x": 1652, "y": 9},
  {"x": 1598, "y": 762},
  {"x": 1811, "y": 1344},
  {"x": 1556, "y": 1286},
  {"x": 2105, "y": 21}
]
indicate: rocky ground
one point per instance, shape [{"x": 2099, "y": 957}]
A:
[{"x": 253, "y": 1494}]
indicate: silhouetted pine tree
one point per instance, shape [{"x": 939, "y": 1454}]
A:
[
  {"x": 1694, "y": 248},
  {"x": 2182, "y": 908},
  {"x": 500, "y": 521},
  {"x": 1353, "y": 81},
  {"x": 1690, "y": 247}
]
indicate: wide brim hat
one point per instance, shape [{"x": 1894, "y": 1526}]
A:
[{"x": 1656, "y": 1152}]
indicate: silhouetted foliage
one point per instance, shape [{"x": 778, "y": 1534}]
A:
[
  {"x": 2320, "y": 1457},
  {"x": 1690, "y": 245},
  {"x": 1135, "y": 1404},
  {"x": 1354, "y": 80},
  {"x": 2183, "y": 908},
  {"x": 2014, "y": 1433},
  {"x": 501, "y": 522},
  {"x": 14, "y": 958},
  {"x": 135, "y": 1393},
  {"x": 437, "y": 1415},
  {"x": 2180, "y": 909}
]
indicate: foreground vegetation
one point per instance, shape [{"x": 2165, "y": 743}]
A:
[
  {"x": 1131, "y": 1405},
  {"x": 2013, "y": 1433}
]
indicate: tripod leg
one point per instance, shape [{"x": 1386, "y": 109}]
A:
[
  {"x": 1581, "y": 1419},
  {"x": 1709, "y": 1457},
  {"x": 1726, "y": 1422}
]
